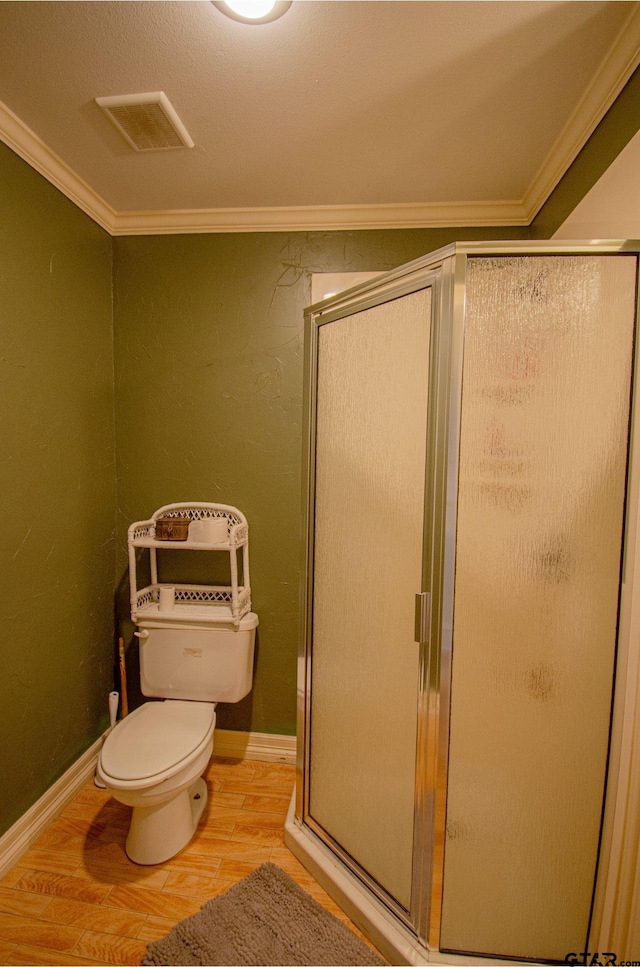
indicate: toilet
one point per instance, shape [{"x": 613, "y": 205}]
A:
[{"x": 154, "y": 758}]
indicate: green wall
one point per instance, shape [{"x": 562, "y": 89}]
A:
[
  {"x": 208, "y": 370},
  {"x": 206, "y": 401},
  {"x": 57, "y": 562},
  {"x": 207, "y": 352}
]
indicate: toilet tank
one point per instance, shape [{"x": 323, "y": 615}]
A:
[{"x": 210, "y": 662}]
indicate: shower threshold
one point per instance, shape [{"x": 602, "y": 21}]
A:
[{"x": 394, "y": 941}]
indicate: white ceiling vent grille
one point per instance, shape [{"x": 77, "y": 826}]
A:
[{"x": 147, "y": 121}]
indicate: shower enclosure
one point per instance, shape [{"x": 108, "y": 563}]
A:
[{"x": 467, "y": 454}]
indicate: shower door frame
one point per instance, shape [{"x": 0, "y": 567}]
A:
[
  {"x": 434, "y": 273},
  {"x": 416, "y": 938}
]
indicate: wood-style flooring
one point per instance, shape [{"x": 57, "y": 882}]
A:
[{"x": 75, "y": 897}]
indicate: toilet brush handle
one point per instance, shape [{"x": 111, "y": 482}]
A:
[{"x": 124, "y": 708}]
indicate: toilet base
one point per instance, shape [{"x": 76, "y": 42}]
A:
[{"x": 159, "y": 832}]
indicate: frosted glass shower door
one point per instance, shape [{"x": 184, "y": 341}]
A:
[
  {"x": 543, "y": 450},
  {"x": 371, "y": 421}
]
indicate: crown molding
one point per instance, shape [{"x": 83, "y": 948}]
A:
[
  {"x": 614, "y": 72},
  {"x": 311, "y": 218},
  {"x": 596, "y": 101},
  {"x": 21, "y": 139}
]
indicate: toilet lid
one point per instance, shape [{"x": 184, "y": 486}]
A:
[{"x": 155, "y": 737}]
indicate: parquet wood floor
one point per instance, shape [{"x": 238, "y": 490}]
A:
[{"x": 75, "y": 897}]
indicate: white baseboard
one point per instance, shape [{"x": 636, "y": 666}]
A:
[
  {"x": 26, "y": 830},
  {"x": 255, "y": 745}
]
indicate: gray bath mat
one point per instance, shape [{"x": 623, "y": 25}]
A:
[{"x": 265, "y": 920}]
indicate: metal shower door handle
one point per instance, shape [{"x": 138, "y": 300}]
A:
[{"x": 422, "y": 617}]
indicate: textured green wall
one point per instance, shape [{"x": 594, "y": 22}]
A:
[
  {"x": 208, "y": 361},
  {"x": 57, "y": 481},
  {"x": 208, "y": 403}
]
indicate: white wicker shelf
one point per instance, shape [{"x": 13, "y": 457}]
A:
[
  {"x": 186, "y": 545},
  {"x": 187, "y": 613},
  {"x": 193, "y": 602}
]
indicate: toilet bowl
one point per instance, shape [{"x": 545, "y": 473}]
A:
[{"x": 153, "y": 760}]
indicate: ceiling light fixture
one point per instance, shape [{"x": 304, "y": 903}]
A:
[{"x": 253, "y": 11}]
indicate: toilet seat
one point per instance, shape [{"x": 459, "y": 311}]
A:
[{"x": 155, "y": 742}]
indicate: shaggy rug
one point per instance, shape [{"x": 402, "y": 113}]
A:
[{"x": 265, "y": 920}]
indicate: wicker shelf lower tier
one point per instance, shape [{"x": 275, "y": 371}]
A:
[{"x": 184, "y": 613}]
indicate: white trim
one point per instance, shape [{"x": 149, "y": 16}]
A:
[
  {"x": 309, "y": 218},
  {"x": 26, "y": 830},
  {"x": 255, "y": 745},
  {"x": 598, "y": 98},
  {"x": 35, "y": 152},
  {"x": 614, "y": 73}
]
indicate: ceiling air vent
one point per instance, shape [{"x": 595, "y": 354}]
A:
[{"x": 147, "y": 121}]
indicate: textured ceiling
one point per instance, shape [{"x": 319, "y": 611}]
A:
[{"x": 338, "y": 103}]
